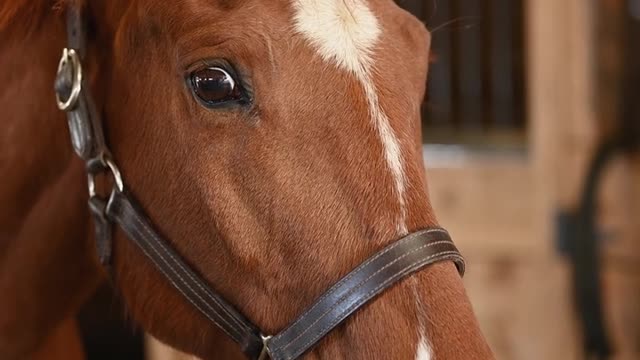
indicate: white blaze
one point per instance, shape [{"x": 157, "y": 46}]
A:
[
  {"x": 424, "y": 350},
  {"x": 345, "y": 32}
]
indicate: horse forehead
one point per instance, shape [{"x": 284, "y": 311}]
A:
[{"x": 342, "y": 31}]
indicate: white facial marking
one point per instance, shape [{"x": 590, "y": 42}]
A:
[
  {"x": 342, "y": 31},
  {"x": 345, "y": 32},
  {"x": 424, "y": 350}
]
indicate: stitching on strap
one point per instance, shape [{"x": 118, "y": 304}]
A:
[
  {"x": 362, "y": 266},
  {"x": 360, "y": 284},
  {"x": 445, "y": 256},
  {"x": 195, "y": 281},
  {"x": 151, "y": 244},
  {"x": 168, "y": 277}
]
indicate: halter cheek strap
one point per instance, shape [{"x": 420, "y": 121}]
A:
[{"x": 381, "y": 271}]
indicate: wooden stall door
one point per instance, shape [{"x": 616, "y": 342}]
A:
[{"x": 501, "y": 206}]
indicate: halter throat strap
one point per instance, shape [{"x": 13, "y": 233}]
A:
[{"x": 381, "y": 271}]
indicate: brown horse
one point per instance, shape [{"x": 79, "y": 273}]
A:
[{"x": 299, "y": 162}]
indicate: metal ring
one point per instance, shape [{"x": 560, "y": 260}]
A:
[
  {"x": 70, "y": 56},
  {"x": 115, "y": 172},
  {"x": 265, "y": 353},
  {"x": 91, "y": 182},
  {"x": 104, "y": 163}
]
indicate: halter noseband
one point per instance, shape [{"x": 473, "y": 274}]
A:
[{"x": 385, "y": 268}]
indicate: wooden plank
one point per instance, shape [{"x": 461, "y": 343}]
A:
[
  {"x": 523, "y": 305},
  {"x": 561, "y": 110},
  {"x": 489, "y": 206},
  {"x": 159, "y": 351}
]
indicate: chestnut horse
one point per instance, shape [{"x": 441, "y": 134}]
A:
[{"x": 300, "y": 159}]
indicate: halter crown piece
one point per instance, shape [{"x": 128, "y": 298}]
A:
[{"x": 379, "y": 272}]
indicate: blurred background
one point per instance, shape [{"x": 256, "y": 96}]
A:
[{"x": 531, "y": 125}]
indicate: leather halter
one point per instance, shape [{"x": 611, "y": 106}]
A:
[{"x": 384, "y": 269}]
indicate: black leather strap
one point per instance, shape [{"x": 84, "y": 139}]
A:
[
  {"x": 76, "y": 37},
  {"x": 378, "y": 273},
  {"x": 103, "y": 229},
  {"x": 85, "y": 127},
  {"x": 381, "y": 271},
  {"x": 123, "y": 210}
]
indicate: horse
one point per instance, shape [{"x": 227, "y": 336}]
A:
[{"x": 277, "y": 144}]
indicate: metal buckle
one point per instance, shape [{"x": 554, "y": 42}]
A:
[
  {"x": 69, "y": 58},
  {"x": 98, "y": 203},
  {"x": 103, "y": 164},
  {"x": 265, "y": 353}
]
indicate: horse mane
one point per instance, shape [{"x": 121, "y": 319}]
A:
[{"x": 27, "y": 15}]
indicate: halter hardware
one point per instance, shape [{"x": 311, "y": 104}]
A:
[
  {"x": 265, "y": 353},
  {"x": 68, "y": 80},
  {"x": 103, "y": 165}
]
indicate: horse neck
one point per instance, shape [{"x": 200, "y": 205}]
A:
[{"x": 46, "y": 261}]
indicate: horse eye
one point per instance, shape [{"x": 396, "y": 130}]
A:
[{"x": 215, "y": 86}]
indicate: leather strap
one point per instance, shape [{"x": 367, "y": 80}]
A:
[
  {"x": 381, "y": 271},
  {"x": 124, "y": 211},
  {"x": 84, "y": 123},
  {"x": 85, "y": 127}
]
